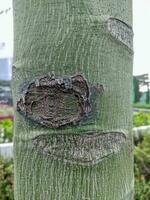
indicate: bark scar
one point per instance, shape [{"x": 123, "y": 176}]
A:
[
  {"x": 121, "y": 31},
  {"x": 87, "y": 149},
  {"x": 55, "y": 101}
]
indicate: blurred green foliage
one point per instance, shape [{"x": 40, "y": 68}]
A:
[
  {"x": 6, "y": 179},
  {"x": 141, "y": 119},
  {"x": 142, "y": 169},
  {"x": 6, "y": 130},
  {"x": 142, "y": 106}
]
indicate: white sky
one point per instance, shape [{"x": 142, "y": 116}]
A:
[
  {"x": 141, "y": 11},
  {"x": 141, "y": 19},
  {"x": 6, "y": 29}
]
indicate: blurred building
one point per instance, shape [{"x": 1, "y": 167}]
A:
[
  {"x": 5, "y": 68},
  {"x": 5, "y": 75},
  {"x": 6, "y": 50},
  {"x": 5, "y": 63}
]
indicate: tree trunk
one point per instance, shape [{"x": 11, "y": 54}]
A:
[{"x": 72, "y": 80}]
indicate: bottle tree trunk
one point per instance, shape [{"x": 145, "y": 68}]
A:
[{"x": 72, "y": 80}]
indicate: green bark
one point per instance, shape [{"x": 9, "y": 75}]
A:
[{"x": 70, "y": 37}]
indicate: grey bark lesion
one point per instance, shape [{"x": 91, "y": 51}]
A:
[
  {"x": 121, "y": 31},
  {"x": 56, "y": 101},
  {"x": 87, "y": 149}
]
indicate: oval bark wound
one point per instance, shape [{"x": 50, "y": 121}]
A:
[
  {"x": 121, "y": 31},
  {"x": 87, "y": 149},
  {"x": 54, "y": 102}
]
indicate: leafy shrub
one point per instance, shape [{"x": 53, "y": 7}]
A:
[
  {"x": 6, "y": 130},
  {"x": 6, "y": 179},
  {"x": 142, "y": 169},
  {"x": 141, "y": 119},
  {"x": 142, "y": 106}
]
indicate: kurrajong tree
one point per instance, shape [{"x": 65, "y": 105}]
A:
[{"x": 72, "y": 80}]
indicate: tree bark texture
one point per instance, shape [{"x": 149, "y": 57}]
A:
[{"x": 72, "y": 80}]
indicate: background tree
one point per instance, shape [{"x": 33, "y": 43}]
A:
[
  {"x": 138, "y": 82},
  {"x": 136, "y": 89},
  {"x": 148, "y": 92},
  {"x": 72, "y": 80}
]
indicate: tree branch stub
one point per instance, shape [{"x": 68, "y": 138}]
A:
[{"x": 56, "y": 101}]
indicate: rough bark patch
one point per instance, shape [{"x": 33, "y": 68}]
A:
[
  {"x": 55, "y": 102},
  {"x": 121, "y": 31},
  {"x": 85, "y": 149}
]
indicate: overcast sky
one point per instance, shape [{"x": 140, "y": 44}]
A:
[
  {"x": 141, "y": 19},
  {"x": 141, "y": 36}
]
